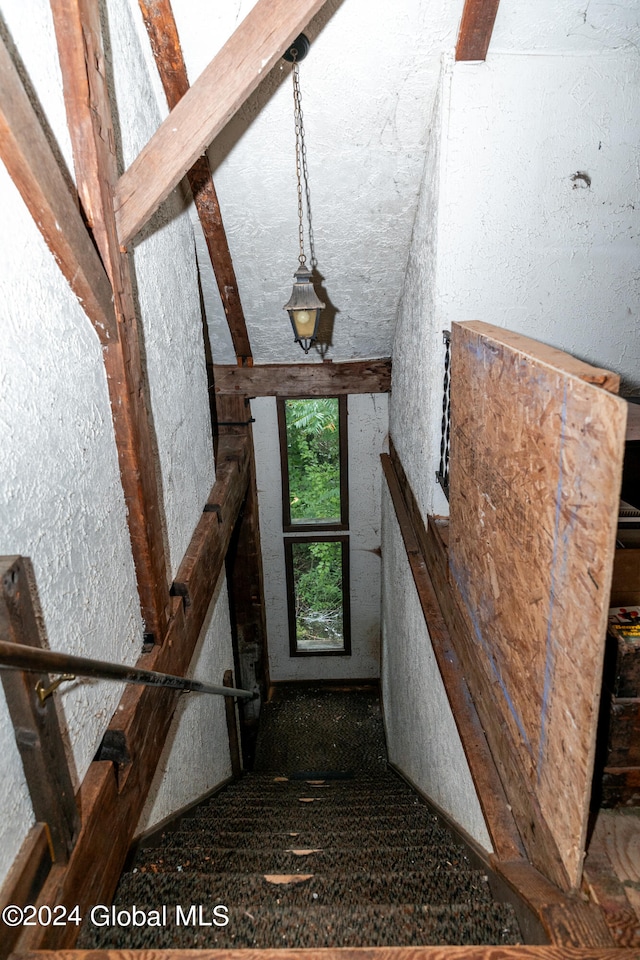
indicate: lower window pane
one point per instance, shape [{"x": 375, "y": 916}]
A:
[{"x": 318, "y": 593}]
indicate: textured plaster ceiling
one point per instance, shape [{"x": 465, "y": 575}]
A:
[{"x": 368, "y": 86}]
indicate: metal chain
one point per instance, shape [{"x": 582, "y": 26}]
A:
[{"x": 302, "y": 173}]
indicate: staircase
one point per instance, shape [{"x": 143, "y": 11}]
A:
[{"x": 308, "y": 856}]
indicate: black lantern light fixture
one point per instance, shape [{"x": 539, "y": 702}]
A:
[{"x": 304, "y": 305}]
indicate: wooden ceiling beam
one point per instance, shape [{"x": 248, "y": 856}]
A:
[
  {"x": 304, "y": 379},
  {"x": 48, "y": 193},
  {"x": 79, "y": 38},
  {"x": 167, "y": 51},
  {"x": 476, "y": 27},
  {"x": 207, "y": 107}
]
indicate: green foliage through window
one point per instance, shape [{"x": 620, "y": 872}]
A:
[
  {"x": 313, "y": 454},
  {"x": 317, "y": 576}
]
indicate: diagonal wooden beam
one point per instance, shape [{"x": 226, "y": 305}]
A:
[
  {"x": 165, "y": 43},
  {"x": 36, "y": 172},
  {"x": 246, "y": 58},
  {"x": 476, "y": 27},
  {"x": 79, "y": 37}
]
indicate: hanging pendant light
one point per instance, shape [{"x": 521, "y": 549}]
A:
[{"x": 304, "y": 305}]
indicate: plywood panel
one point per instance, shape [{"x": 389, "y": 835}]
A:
[{"x": 536, "y": 455}]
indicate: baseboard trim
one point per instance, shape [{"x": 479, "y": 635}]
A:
[{"x": 152, "y": 836}]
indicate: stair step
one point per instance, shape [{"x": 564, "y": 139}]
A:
[
  {"x": 254, "y": 890},
  {"x": 353, "y": 805},
  {"x": 320, "y": 926},
  {"x": 209, "y": 859},
  {"x": 305, "y": 836},
  {"x": 289, "y": 829}
]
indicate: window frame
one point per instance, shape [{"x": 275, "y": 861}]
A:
[
  {"x": 326, "y": 525},
  {"x": 291, "y": 598}
]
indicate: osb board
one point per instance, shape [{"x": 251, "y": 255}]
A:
[{"x": 536, "y": 455}]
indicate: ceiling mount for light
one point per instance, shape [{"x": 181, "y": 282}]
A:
[
  {"x": 304, "y": 305},
  {"x": 298, "y": 50}
]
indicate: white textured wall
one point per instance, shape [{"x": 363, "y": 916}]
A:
[
  {"x": 504, "y": 234},
  {"x": 523, "y": 245},
  {"x": 415, "y": 411},
  {"x": 367, "y": 438},
  {"x": 196, "y": 756},
  {"x": 422, "y": 738},
  {"x": 61, "y": 500},
  {"x": 367, "y": 86}
]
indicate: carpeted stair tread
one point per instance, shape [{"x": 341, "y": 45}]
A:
[
  {"x": 321, "y": 730},
  {"x": 356, "y": 798},
  {"x": 348, "y": 840},
  {"x": 321, "y": 889},
  {"x": 214, "y": 860},
  {"x": 301, "y": 818},
  {"x": 373, "y": 867},
  {"x": 322, "y": 926}
]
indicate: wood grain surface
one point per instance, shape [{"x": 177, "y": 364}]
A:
[
  {"x": 88, "y": 106},
  {"x": 612, "y": 872},
  {"x": 220, "y": 90},
  {"x": 304, "y": 379},
  {"x": 476, "y": 27},
  {"x": 536, "y": 458},
  {"x": 48, "y": 192},
  {"x": 359, "y": 953},
  {"x": 167, "y": 51}
]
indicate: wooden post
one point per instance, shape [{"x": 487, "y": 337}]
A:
[
  {"x": 245, "y": 581},
  {"x": 36, "y": 725},
  {"x": 78, "y": 32},
  {"x": 232, "y": 727}
]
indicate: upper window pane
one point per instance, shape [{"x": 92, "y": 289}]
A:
[{"x": 313, "y": 457}]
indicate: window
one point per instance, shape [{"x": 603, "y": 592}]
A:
[
  {"x": 318, "y": 594},
  {"x": 313, "y": 450}
]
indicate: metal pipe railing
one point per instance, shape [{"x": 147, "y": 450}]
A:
[{"x": 17, "y": 656}]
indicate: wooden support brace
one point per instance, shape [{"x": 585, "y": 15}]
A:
[
  {"x": 476, "y": 27},
  {"x": 36, "y": 725},
  {"x": 304, "y": 379},
  {"x": 221, "y": 89}
]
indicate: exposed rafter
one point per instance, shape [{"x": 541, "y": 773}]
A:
[
  {"x": 476, "y": 27},
  {"x": 165, "y": 43},
  {"x": 246, "y": 58},
  {"x": 47, "y": 192}
]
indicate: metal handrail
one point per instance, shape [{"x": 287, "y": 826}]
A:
[{"x": 17, "y": 656}]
